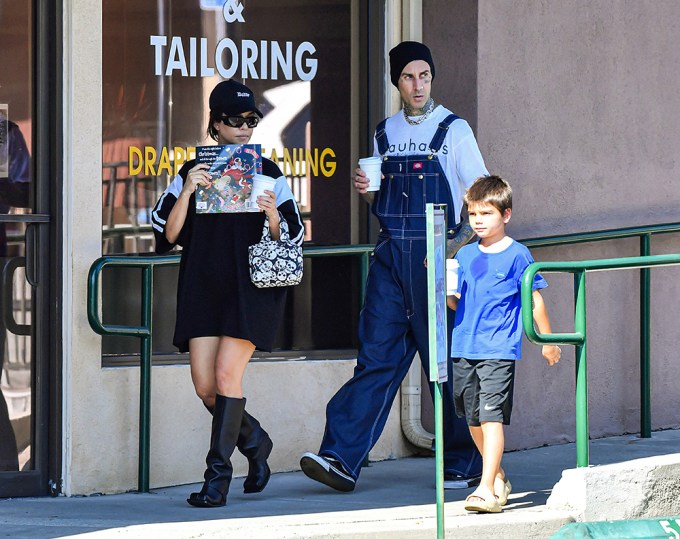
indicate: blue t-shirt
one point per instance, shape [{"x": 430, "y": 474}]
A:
[{"x": 488, "y": 318}]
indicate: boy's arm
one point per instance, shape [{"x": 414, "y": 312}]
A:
[
  {"x": 452, "y": 301},
  {"x": 551, "y": 352}
]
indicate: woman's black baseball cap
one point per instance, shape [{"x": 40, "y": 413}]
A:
[{"x": 230, "y": 97}]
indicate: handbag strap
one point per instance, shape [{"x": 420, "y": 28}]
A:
[{"x": 283, "y": 228}]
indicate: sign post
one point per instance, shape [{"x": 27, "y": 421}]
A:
[{"x": 435, "y": 215}]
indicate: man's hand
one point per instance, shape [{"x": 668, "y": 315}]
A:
[
  {"x": 552, "y": 353},
  {"x": 360, "y": 182}
]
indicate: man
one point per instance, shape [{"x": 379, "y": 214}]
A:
[{"x": 429, "y": 155}]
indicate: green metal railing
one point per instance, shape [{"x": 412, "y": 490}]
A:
[
  {"x": 147, "y": 264},
  {"x": 578, "y": 337},
  {"x": 144, "y": 330}
]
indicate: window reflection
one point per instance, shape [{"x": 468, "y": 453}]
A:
[
  {"x": 159, "y": 66},
  {"x": 151, "y": 123},
  {"x": 16, "y": 197}
]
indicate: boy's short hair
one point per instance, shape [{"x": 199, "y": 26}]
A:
[{"x": 492, "y": 190}]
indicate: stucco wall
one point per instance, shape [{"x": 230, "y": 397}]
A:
[
  {"x": 288, "y": 397},
  {"x": 576, "y": 106}
]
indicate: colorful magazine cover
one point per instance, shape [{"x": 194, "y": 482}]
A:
[{"x": 232, "y": 167}]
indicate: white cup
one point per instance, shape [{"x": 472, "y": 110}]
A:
[
  {"x": 260, "y": 184},
  {"x": 371, "y": 166},
  {"x": 451, "y": 276}
]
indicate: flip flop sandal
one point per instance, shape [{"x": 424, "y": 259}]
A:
[
  {"x": 503, "y": 488},
  {"x": 484, "y": 503}
]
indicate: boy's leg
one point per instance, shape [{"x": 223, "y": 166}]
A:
[
  {"x": 493, "y": 444},
  {"x": 496, "y": 383},
  {"x": 478, "y": 437}
]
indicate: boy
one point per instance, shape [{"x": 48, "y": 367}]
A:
[{"x": 487, "y": 337}]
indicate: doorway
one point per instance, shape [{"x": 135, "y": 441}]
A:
[{"x": 29, "y": 178}]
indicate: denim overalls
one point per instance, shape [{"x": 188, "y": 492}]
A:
[{"x": 393, "y": 322}]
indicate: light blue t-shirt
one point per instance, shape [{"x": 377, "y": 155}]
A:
[{"x": 488, "y": 318}]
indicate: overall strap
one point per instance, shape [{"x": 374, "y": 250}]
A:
[
  {"x": 440, "y": 134},
  {"x": 381, "y": 138}
]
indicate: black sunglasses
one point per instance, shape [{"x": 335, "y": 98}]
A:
[{"x": 238, "y": 121}]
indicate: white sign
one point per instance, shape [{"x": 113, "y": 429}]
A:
[{"x": 436, "y": 293}]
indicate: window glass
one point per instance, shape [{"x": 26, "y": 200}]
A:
[
  {"x": 16, "y": 198},
  {"x": 160, "y": 62}
]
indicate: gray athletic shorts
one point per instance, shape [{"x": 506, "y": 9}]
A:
[{"x": 482, "y": 389}]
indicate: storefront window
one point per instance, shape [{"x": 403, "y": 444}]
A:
[
  {"x": 160, "y": 62},
  {"x": 16, "y": 199}
]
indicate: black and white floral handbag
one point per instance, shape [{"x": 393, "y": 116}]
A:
[{"x": 275, "y": 262}]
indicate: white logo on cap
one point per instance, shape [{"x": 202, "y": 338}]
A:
[
  {"x": 232, "y": 10},
  {"x": 242, "y": 94}
]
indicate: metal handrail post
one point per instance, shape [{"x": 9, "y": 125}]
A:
[
  {"x": 145, "y": 381},
  {"x": 645, "y": 342},
  {"x": 439, "y": 457},
  {"x": 582, "y": 431}
]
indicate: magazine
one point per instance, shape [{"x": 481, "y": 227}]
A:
[{"x": 232, "y": 167}]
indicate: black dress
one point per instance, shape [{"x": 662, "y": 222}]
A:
[{"x": 214, "y": 295}]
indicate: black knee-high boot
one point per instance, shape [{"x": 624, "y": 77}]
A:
[
  {"x": 256, "y": 445},
  {"x": 225, "y": 430}
]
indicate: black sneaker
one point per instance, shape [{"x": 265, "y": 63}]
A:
[
  {"x": 455, "y": 481},
  {"x": 328, "y": 471}
]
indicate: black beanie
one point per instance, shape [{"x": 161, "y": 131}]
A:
[{"x": 404, "y": 53}]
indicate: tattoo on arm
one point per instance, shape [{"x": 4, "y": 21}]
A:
[{"x": 463, "y": 236}]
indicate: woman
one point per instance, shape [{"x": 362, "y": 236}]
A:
[{"x": 221, "y": 316}]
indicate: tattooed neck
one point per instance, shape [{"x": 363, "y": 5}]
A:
[{"x": 415, "y": 111}]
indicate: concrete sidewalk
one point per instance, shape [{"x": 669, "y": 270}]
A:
[{"x": 393, "y": 499}]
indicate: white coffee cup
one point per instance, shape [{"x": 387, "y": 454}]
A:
[
  {"x": 452, "y": 268},
  {"x": 371, "y": 166},
  {"x": 260, "y": 184}
]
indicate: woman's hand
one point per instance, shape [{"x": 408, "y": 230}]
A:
[
  {"x": 267, "y": 203},
  {"x": 198, "y": 175}
]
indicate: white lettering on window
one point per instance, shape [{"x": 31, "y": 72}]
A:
[
  {"x": 206, "y": 71},
  {"x": 310, "y": 64},
  {"x": 226, "y": 43},
  {"x": 176, "y": 57},
  {"x": 248, "y": 59},
  {"x": 279, "y": 60},
  {"x": 158, "y": 42},
  {"x": 267, "y": 60}
]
